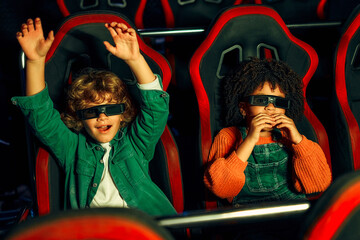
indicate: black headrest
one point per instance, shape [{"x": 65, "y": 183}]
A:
[
  {"x": 133, "y": 9},
  {"x": 193, "y": 13}
]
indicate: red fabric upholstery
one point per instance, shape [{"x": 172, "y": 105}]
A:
[
  {"x": 336, "y": 214},
  {"x": 109, "y": 223},
  {"x": 42, "y": 185},
  {"x": 346, "y": 141}
]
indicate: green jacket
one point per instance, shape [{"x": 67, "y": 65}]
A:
[{"x": 79, "y": 155}]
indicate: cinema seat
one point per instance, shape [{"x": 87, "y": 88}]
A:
[
  {"x": 336, "y": 215},
  {"x": 98, "y": 223},
  {"x": 238, "y": 33},
  {"x": 78, "y": 44},
  {"x": 345, "y": 108},
  {"x": 134, "y": 9}
]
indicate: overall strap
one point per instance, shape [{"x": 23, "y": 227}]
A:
[{"x": 243, "y": 132}]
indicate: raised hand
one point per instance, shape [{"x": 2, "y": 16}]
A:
[
  {"x": 285, "y": 123},
  {"x": 126, "y": 45},
  {"x": 32, "y": 41}
]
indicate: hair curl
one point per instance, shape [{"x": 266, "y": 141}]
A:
[
  {"x": 253, "y": 73},
  {"x": 96, "y": 86}
]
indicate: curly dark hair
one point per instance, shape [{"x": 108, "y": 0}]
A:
[{"x": 253, "y": 73}]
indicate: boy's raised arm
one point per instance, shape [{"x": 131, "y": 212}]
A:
[
  {"x": 35, "y": 47},
  {"x": 127, "y": 48}
]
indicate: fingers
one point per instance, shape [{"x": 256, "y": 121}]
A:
[
  {"x": 19, "y": 35},
  {"x": 119, "y": 29},
  {"x": 281, "y": 121},
  {"x": 287, "y": 124},
  {"x": 38, "y": 25},
  {"x": 24, "y": 29},
  {"x": 29, "y": 27},
  {"x": 262, "y": 121},
  {"x": 50, "y": 38},
  {"x": 109, "y": 47},
  {"x": 264, "y": 118}
]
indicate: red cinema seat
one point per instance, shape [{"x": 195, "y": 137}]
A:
[
  {"x": 101, "y": 223},
  {"x": 238, "y": 33},
  {"x": 345, "y": 133},
  {"x": 78, "y": 44},
  {"x": 133, "y": 9},
  {"x": 336, "y": 215}
]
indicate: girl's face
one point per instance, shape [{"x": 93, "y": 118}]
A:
[
  {"x": 250, "y": 111},
  {"x": 103, "y": 128}
]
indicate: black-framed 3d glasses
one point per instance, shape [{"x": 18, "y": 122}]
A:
[
  {"x": 94, "y": 112},
  {"x": 264, "y": 100}
]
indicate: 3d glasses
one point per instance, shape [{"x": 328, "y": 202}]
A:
[
  {"x": 264, "y": 100},
  {"x": 94, "y": 112}
]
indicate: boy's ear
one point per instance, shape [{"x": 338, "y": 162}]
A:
[{"x": 242, "y": 107}]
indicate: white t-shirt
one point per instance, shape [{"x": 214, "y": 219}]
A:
[{"x": 107, "y": 194}]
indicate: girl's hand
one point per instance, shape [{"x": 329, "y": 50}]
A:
[
  {"x": 32, "y": 41},
  {"x": 287, "y": 124},
  {"x": 259, "y": 123},
  {"x": 126, "y": 45}
]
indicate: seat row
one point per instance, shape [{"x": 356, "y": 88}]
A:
[
  {"x": 266, "y": 37},
  {"x": 199, "y": 13}
]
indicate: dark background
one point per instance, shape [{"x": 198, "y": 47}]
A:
[
  {"x": 13, "y": 154},
  {"x": 14, "y": 169}
]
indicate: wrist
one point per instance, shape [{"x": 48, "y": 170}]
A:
[
  {"x": 134, "y": 61},
  {"x": 298, "y": 139},
  {"x": 40, "y": 60},
  {"x": 251, "y": 140}
]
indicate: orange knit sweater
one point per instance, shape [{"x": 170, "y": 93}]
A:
[{"x": 225, "y": 176}]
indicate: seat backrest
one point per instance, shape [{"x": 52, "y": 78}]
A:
[
  {"x": 336, "y": 10},
  {"x": 294, "y": 11},
  {"x": 193, "y": 13},
  {"x": 238, "y": 33},
  {"x": 199, "y": 13},
  {"x": 133, "y": 9},
  {"x": 79, "y": 43},
  {"x": 336, "y": 215},
  {"x": 345, "y": 107}
]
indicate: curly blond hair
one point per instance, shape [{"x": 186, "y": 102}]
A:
[{"x": 96, "y": 86}]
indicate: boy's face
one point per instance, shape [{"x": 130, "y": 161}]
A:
[
  {"x": 103, "y": 128},
  {"x": 250, "y": 111}
]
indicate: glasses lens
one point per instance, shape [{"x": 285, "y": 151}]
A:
[
  {"x": 89, "y": 113},
  {"x": 282, "y": 103},
  {"x": 264, "y": 100},
  {"x": 259, "y": 100},
  {"x": 114, "y": 109}
]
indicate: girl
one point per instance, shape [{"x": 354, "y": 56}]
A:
[
  {"x": 105, "y": 158},
  {"x": 262, "y": 156}
]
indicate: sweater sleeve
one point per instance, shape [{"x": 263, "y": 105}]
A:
[
  {"x": 311, "y": 172},
  {"x": 224, "y": 175}
]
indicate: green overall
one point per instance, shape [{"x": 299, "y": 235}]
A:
[{"x": 267, "y": 175}]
